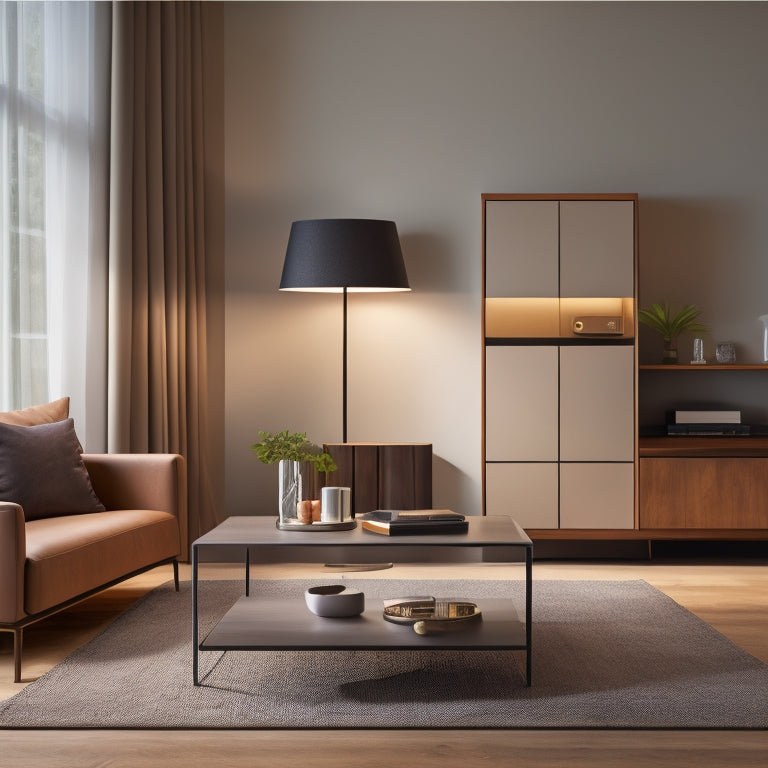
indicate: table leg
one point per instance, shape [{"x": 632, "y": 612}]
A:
[
  {"x": 195, "y": 629},
  {"x": 528, "y": 610},
  {"x": 247, "y": 571}
]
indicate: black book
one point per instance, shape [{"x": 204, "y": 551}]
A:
[{"x": 390, "y": 522}]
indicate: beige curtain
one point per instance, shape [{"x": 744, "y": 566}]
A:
[{"x": 158, "y": 374}]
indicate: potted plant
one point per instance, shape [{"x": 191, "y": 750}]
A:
[
  {"x": 289, "y": 450},
  {"x": 670, "y": 326}
]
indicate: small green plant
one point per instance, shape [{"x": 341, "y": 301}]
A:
[
  {"x": 326, "y": 465},
  {"x": 292, "y": 446},
  {"x": 660, "y": 319}
]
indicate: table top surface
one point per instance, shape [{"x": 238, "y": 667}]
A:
[{"x": 263, "y": 531}]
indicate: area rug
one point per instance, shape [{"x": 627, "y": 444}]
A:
[{"x": 606, "y": 654}]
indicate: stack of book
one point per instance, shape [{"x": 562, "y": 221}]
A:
[
  {"x": 708, "y": 422},
  {"x": 395, "y": 522}
]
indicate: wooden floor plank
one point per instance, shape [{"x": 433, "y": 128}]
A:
[{"x": 374, "y": 749}]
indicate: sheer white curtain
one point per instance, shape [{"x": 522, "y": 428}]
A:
[{"x": 54, "y": 122}]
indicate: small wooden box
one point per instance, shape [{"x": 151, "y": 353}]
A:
[{"x": 383, "y": 475}]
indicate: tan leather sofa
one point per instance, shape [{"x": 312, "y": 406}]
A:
[{"x": 49, "y": 563}]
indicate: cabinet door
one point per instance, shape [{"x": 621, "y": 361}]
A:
[
  {"x": 597, "y": 248},
  {"x": 597, "y": 495},
  {"x": 597, "y": 404},
  {"x": 709, "y": 493},
  {"x": 521, "y": 404},
  {"x": 521, "y": 248},
  {"x": 526, "y": 492}
]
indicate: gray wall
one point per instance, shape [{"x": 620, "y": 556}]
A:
[{"x": 409, "y": 111}]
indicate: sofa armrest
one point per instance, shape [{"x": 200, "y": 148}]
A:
[
  {"x": 142, "y": 481},
  {"x": 13, "y": 555}
]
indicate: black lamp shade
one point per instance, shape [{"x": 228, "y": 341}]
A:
[{"x": 333, "y": 254}]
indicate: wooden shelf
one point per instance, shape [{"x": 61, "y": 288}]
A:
[
  {"x": 258, "y": 624},
  {"x": 715, "y": 446},
  {"x": 707, "y": 367}
]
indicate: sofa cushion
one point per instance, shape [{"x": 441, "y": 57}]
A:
[
  {"x": 68, "y": 556},
  {"x": 41, "y": 469},
  {"x": 58, "y": 410}
]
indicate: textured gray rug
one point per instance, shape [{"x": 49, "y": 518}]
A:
[{"x": 605, "y": 655}]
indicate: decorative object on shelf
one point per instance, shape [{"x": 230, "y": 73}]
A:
[
  {"x": 429, "y": 616},
  {"x": 291, "y": 450},
  {"x": 336, "y": 504},
  {"x": 660, "y": 319},
  {"x": 698, "y": 352},
  {"x": 726, "y": 353},
  {"x": 335, "y": 601},
  {"x": 343, "y": 256},
  {"x": 764, "y": 320}
]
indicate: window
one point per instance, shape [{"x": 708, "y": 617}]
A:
[
  {"x": 23, "y": 342},
  {"x": 54, "y": 70}
]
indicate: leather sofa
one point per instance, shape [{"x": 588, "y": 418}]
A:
[{"x": 50, "y": 563}]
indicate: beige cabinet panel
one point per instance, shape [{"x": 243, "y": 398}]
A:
[
  {"x": 521, "y": 404},
  {"x": 597, "y": 495},
  {"x": 527, "y": 492},
  {"x": 521, "y": 248},
  {"x": 597, "y": 404},
  {"x": 597, "y": 246}
]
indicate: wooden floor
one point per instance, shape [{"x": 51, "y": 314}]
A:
[{"x": 731, "y": 595}]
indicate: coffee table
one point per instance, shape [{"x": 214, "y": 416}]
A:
[{"x": 256, "y": 624}]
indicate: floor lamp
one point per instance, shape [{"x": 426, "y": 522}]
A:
[{"x": 344, "y": 256}]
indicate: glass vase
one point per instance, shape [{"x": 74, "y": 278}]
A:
[
  {"x": 289, "y": 490},
  {"x": 764, "y": 320}
]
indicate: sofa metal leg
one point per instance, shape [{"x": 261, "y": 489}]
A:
[
  {"x": 18, "y": 639},
  {"x": 176, "y": 574}
]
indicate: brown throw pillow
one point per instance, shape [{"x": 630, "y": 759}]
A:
[
  {"x": 42, "y": 470},
  {"x": 58, "y": 410}
]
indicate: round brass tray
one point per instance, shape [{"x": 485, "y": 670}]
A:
[{"x": 429, "y": 616}]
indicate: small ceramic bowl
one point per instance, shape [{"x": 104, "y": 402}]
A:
[{"x": 335, "y": 601}]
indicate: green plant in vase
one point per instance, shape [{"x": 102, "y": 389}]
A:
[
  {"x": 290, "y": 450},
  {"x": 660, "y": 318},
  {"x": 290, "y": 446}
]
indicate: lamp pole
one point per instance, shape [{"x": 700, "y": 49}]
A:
[{"x": 344, "y": 371}]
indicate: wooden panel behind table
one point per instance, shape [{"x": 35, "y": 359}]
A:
[
  {"x": 344, "y": 456},
  {"x": 384, "y": 475},
  {"x": 365, "y": 490},
  {"x": 422, "y": 480},
  {"x": 396, "y": 477}
]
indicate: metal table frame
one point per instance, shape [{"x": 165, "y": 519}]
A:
[{"x": 499, "y": 538}]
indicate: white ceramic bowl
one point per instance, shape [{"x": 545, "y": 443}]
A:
[{"x": 335, "y": 601}]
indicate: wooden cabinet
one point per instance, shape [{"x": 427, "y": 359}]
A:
[
  {"x": 704, "y": 493},
  {"x": 559, "y": 408},
  {"x": 713, "y": 487}
]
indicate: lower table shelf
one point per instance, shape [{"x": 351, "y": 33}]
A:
[{"x": 255, "y": 624}]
